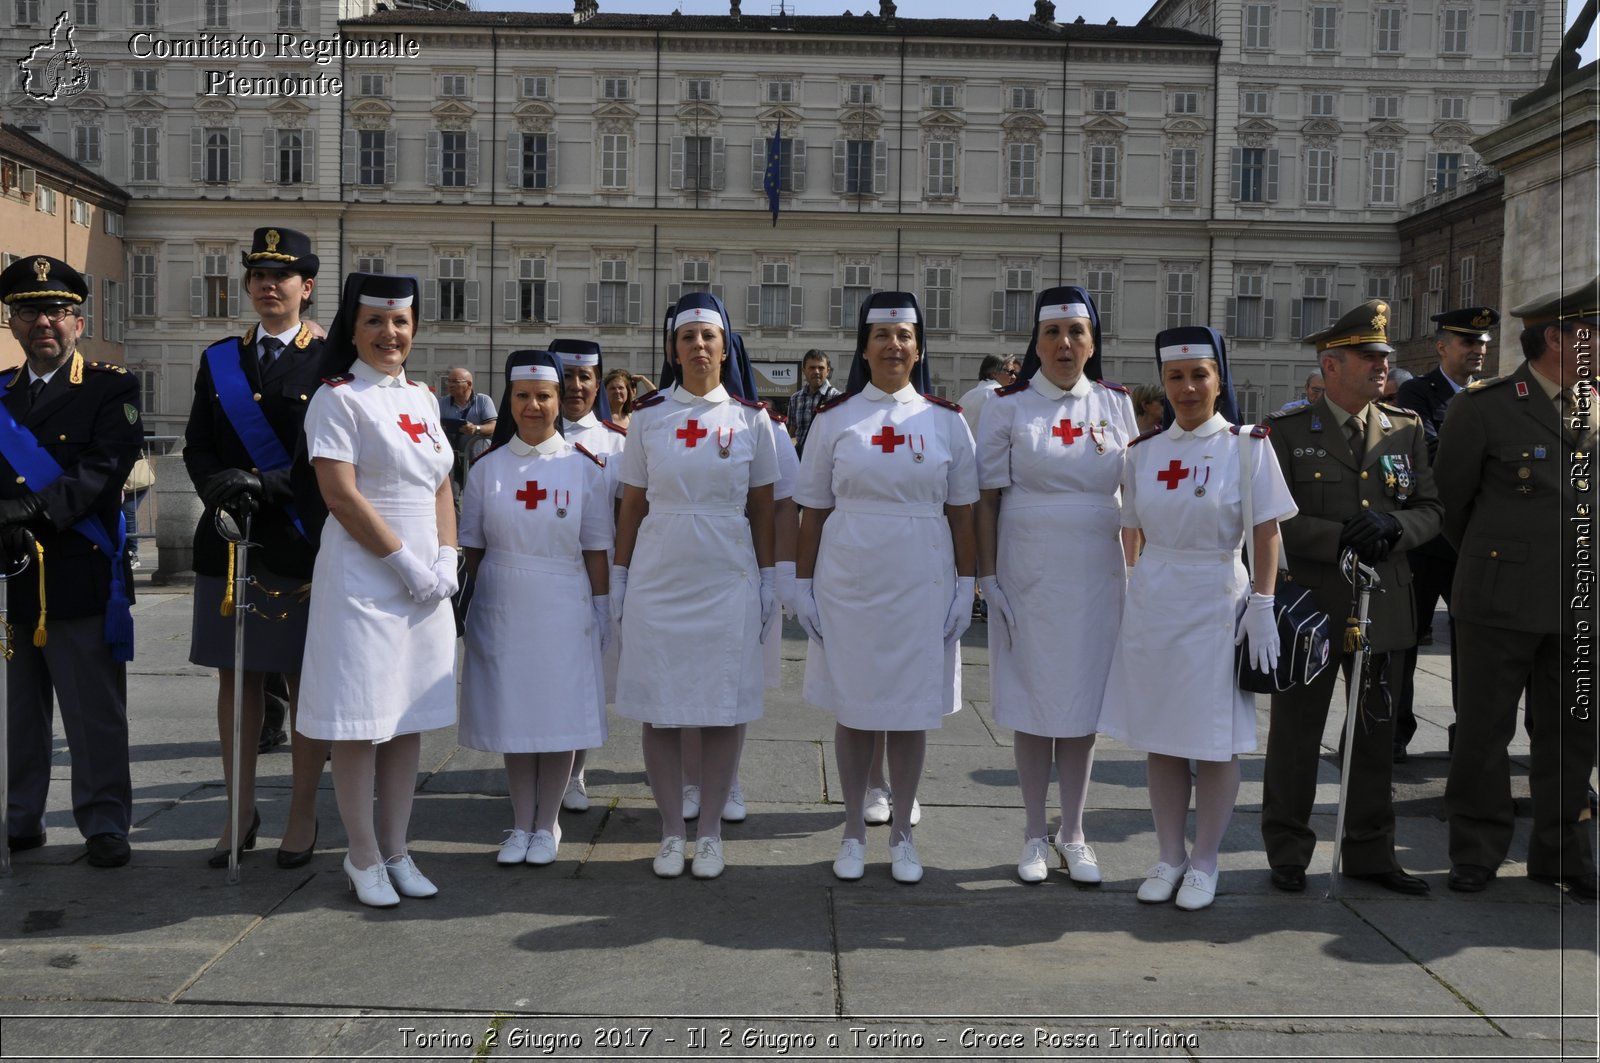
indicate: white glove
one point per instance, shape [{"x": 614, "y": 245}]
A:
[
  {"x": 619, "y": 588},
  {"x": 419, "y": 579},
  {"x": 770, "y": 613},
  {"x": 601, "y": 603},
  {"x": 805, "y": 610},
  {"x": 998, "y": 603},
  {"x": 447, "y": 571},
  {"x": 1261, "y": 627},
  {"x": 959, "y": 618},
  {"x": 785, "y": 573}
]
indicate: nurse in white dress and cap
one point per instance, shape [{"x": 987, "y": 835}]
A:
[
  {"x": 586, "y": 419},
  {"x": 380, "y": 643},
  {"x": 1050, "y": 564},
  {"x": 884, "y": 566},
  {"x": 693, "y": 584},
  {"x": 1172, "y": 690}
]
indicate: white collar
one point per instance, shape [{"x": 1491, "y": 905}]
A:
[
  {"x": 873, "y": 393},
  {"x": 362, "y": 371},
  {"x": 285, "y": 338},
  {"x": 549, "y": 446},
  {"x": 1079, "y": 389},
  {"x": 1210, "y": 427},
  {"x": 588, "y": 420},
  {"x": 32, "y": 376},
  {"x": 689, "y": 398}
]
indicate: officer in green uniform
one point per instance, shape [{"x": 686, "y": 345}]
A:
[
  {"x": 1515, "y": 472},
  {"x": 1358, "y": 470}
]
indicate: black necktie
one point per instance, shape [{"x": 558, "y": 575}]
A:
[
  {"x": 35, "y": 389},
  {"x": 269, "y": 351}
]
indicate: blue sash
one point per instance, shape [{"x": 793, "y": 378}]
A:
[
  {"x": 244, "y": 414},
  {"x": 19, "y": 447}
]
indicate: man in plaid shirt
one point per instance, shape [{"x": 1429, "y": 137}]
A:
[{"x": 815, "y": 368}]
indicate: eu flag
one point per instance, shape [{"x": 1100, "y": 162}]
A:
[{"x": 772, "y": 183}]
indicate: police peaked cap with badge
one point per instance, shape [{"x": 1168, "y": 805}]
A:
[
  {"x": 1055, "y": 304},
  {"x": 585, "y": 353},
  {"x": 286, "y": 249},
  {"x": 1579, "y": 306},
  {"x": 888, "y": 308},
  {"x": 1474, "y": 321},
  {"x": 1365, "y": 329},
  {"x": 39, "y": 280}
]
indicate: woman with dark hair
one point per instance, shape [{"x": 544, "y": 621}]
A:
[
  {"x": 884, "y": 566},
  {"x": 619, "y": 392},
  {"x": 380, "y": 644},
  {"x": 695, "y": 533},
  {"x": 997, "y": 371},
  {"x": 535, "y": 525},
  {"x": 1172, "y": 691},
  {"x": 1050, "y": 458},
  {"x": 1149, "y": 406}
]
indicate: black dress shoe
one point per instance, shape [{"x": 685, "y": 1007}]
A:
[
  {"x": 1289, "y": 878},
  {"x": 1584, "y": 887},
  {"x": 108, "y": 850},
  {"x": 219, "y": 857},
  {"x": 23, "y": 843},
  {"x": 292, "y": 858},
  {"x": 1594, "y": 800},
  {"x": 1469, "y": 878},
  {"x": 1400, "y": 754},
  {"x": 1396, "y": 880},
  {"x": 271, "y": 738}
]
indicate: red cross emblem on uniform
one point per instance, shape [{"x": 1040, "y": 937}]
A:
[
  {"x": 1184, "y": 348},
  {"x": 1173, "y": 473},
  {"x": 887, "y": 439},
  {"x": 531, "y": 495},
  {"x": 1066, "y": 431},
  {"x": 412, "y": 428},
  {"x": 692, "y": 433}
]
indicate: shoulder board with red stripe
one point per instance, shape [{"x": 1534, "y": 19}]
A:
[
  {"x": 1257, "y": 431},
  {"x": 653, "y": 399},
  {"x": 1112, "y": 385},
  {"x": 617, "y": 428},
  {"x": 747, "y": 402},
  {"x": 591, "y": 455},
  {"x": 946, "y": 403},
  {"x": 831, "y": 403},
  {"x": 414, "y": 384},
  {"x": 777, "y": 418},
  {"x": 1015, "y": 389},
  {"x": 1140, "y": 439},
  {"x": 335, "y": 381}
]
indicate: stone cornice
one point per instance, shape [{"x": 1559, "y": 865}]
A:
[{"x": 1285, "y": 76}]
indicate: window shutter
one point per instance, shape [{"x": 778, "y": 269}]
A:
[
  {"x": 472, "y": 160},
  {"x": 752, "y": 306},
  {"x": 675, "y": 178},
  {"x": 997, "y": 311},
  {"x": 1236, "y": 179},
  {"x": 840, "y": 152},
  {"x": 1296, "y": 317},
  {"x": 435, "y": 150},
  {"x": 880, "y": 167},
  {"x": 308, "y": 155},
  {"x": 1231, "y": 327},
  {"x": 1272, "y": 175},
  {"x": 88, "y": 306},
  {"x": 511, "y": 307},
  {"x": 798, "y": 169},
  {"x": 719, "y": 163},
  {"x": 591, "y": 304},
  {"x": 514, "y": 160},
  {"x": 351, "y": 151},
  {"x": 472, "y": 300},
  {"x": 1430, "y": 174},
  {"x": 234, "y": 301},
  {"x": 197, "y": 153},
  {"x": 1267, "y": 306},
  {"x": 390, "y": 161},
  {"x": 197, "y": 297},
  {"x": 673, "y": 293},
  {"x": 797, "y": 296},
  {"x": 758, "y": 164},
  {"x": 235, "y": 155},
  {"x": 430, "y": 300},
  {"x": 269, "y": 155},
  {"x": 635, "y": 304},
  {"x": 1333, "y": 311},
  {"x": 836, "y": 307},
  {"x": 550, "y": 170},
  {"x": 552, "y": 302},
  {"x": 716, "y": 290}
]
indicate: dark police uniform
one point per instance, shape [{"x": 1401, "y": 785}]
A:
[
  {"x": 87, "y": 419},
  {"x": 1433, "y": 564},
  {"x": 1518, "y": 485},
  {"x": 1331, "y": 487}
]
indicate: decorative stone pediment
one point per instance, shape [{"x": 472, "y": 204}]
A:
[
  {"x": 1453, "y": 131},
  {"x": 859, "y": 115},
  {"x": 86, "y": 102},
  {"x": 1387, "y": 128},
  {"x": 784, "y": 113},
  {"x": 289, "y": 114},
  {"x": 533, "y": 116},
  {"x": 1023, "y": 125},
  {"x": 617, "y": 112},
  {"x": 144, "y": 109},
  {"x": 939, "y": 122},
  {"x": 1322, "y": 127},
  {"x": 371, "y": 114},
  {"x": 1184, "y": 127},
  {"x": 1257, "y": 126},
  {"x": 696, "y": 114},
  {"x": 1105, "y": 124},
  {"x": 214, "y": 111},
  {"x": 453, "y": 115}
]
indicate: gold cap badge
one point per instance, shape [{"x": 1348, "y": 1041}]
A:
[
  {"x": 272, "y": 239},
  {"x": 1380, "y": 320},
  {"x": 41, "y": 269}
]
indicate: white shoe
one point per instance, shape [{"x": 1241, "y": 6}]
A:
[
  {"x": 916, "y": 812},
  {"x": 691, "y": 802},
  {"x": 1034, "y": 865},
  {"x": 877, "y": 808},
  {"x": 371, "y": 885},
  {"x": 851, "y": 863},
  {"x": 905, "y": 866},
  {"x": 669, "y": 861},
  {"x": 542, "y": 846},
  {"x": 734, "y": 811},
  {"x": 576, "y": 799},
  {"x": 514, "y": 850},
  {"x": 1160, "y": 881},
  {"x": 407, "y": 880},
  {"x": 1199, "y": 890},
  {"x": 1079, "y": 860},
  {"x": 708, "y": 862}
]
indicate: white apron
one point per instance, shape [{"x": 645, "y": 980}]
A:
[
  {"x": 1057, "y": 458},
  {"x": 691, "y": 623},
  {"x": 1172, "y": 688},
  {"x": 885, "y": 572},
  {"x": 531, "y": 682},
  {"x": 608, "y": 443},
  {"x": 378, "y": 664}
]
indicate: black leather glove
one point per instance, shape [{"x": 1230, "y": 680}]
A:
[
  {"x": 275, "y": 487},
  {"x": 21, "y": 512},
  {"x": 16, "y": 544},
  {"x": 1371, "y": 534},
  {"x": 233, "y": 489}
]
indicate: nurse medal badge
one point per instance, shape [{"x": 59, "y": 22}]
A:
[
  {"x": 1097, "y": 434},
  {"x": 1201, "y": 478},
  {"x": 724, "y": 445},
  {"x": 565, "y": 500},
  {"x": 917, "y": 449}
]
